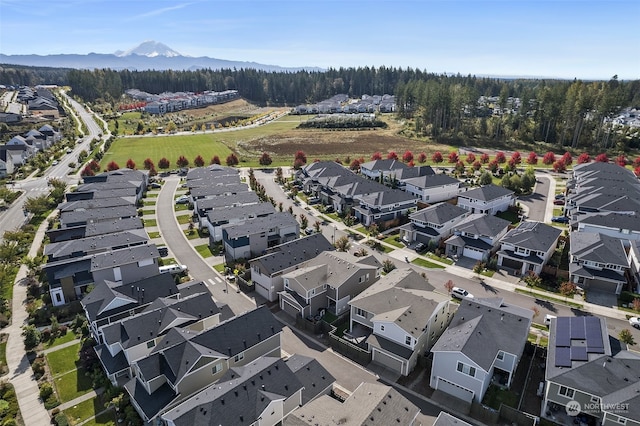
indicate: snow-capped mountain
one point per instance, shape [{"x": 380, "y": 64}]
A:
[{"x": 150, "y": 49}]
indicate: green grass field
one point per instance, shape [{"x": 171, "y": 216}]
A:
[
  {"x": 153, "y": 235},
  {"x": 85, "y": 410},
  {"x": 426, "y": 264},
  {"x": 60, "y": 340},
  {"x": 63, "y": 360},
  {"x": 206, "y": 145},
  {"x": 203, "y": 250},
  {"x": 150, "y": 222},
  {"x": 73, "y": 384},
  {"x": 183, "y": 219}
]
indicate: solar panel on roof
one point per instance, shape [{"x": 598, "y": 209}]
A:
[
  {"x": 578, "y": 328},
  {"x": 563, "y": 332},
  {"x": 563, "y": 357},
  {"x": 579, "y": 353},
  {"x": 594, "y": 332}
]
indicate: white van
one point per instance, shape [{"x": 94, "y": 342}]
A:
[{"x": 173, "y": 269}]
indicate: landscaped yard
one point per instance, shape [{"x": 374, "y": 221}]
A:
[
  {"x": 153, "y": 235},
  {"x": 85, "y": 410},
  {"x": 152, "y": 194},
  {"x": 426, "y": 264},
  {"x": 149, "y": 222},
  {"x": 203, "y": 250},
  {"x": 3, "y": 354},
  {"x": 63, "y": 360},
  {"x": 104, "y": 419},
  {"x": 149, "y": 203},
  {"x": 183, "y": 218},
  {"x": 148, "y": 211},
  {"x": 394, "y": 240},
  {"x": 219, "y": 267},
  {"x": 73, "y": 384},
  {"x": 510, "y": 216},
  {"x": 60, "y": 340},
  {"x": 181, "y": 207},
  {"x": 496, "y": 396}
]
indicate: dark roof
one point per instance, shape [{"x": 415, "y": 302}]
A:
[
  {"x": 259, "y": 224},
  {"x": 487, "y": 193},
  {"x": 99, "y": 303},
  {"x": 97, "y": 243},
  {"x": 431, "y": 181},
  {"x": 215, "y": 190},
  {"x": 292, "y": 253},
  {"x": 240, "y": 212},
  {"x": 111, "y": 213},
  {"x": 599, "y": 248},
  {"x": 481, "y": 328},
  {"x": 483, "y": 225},
  {"x": 210, "y": 171},
  {"x": 446, "y": 419},
  {"x": 438, "y": 213},
  {"x": 123, "y": 256},
  {"x": 111, "y": 364},
  {"x": 151, "y": 405},
  {"x": 384, "y": 165},
  {"x": 98, "y": 203},
  {"x": 92, "y": 193},
  {"x": 613, "y": 220},
  {"x": 313, "y": 376},
  {"x": 534, "y": 236},
  {"x": 227, "y": 201}
]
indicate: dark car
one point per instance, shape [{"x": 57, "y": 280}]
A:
[
  {"x": 560, "y": 197},
  {"x": 559, "y": 202},
  {"x": 560, "y": 219},
  {"x": 420, "y": 247}
]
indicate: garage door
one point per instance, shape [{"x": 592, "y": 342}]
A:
[
  {"x": 511, "y": 263},
  {"x": 289, "y": 308},
  {"x": 455, "y": 390},
  {"x": 387, "y": 361},
  {"x": 603, "y": 286},
  {"x": 472, "y": 253},
  {"x": 262, "y": 291}
]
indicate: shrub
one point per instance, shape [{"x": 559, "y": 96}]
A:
[
  {"x": 61, "y": 420},
  {"x": 46, "y": 390}
]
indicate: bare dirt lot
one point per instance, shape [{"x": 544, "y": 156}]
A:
[{"x": 233, "y": 108}]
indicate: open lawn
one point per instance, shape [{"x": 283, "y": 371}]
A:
[
  {"x": 84, "y": 410},
  {"x": 394, "y": 240},
  {"x": 426, "y": 264},
  {"x": 183, "y": 218},
  {"x": 105, "y": 419},
  {"x": 73, "y": 384},
  {"x": 203, "y": 250},
  {"x": 63, "y": 360},
  {"x": 148, "y": 212},
  {"x": 60, "y": 340},
  {"x": 153, "y": 235},
  {"x": 150, "y": 222}
]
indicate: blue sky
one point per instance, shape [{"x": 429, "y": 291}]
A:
[{"x": 560, "y": 38}]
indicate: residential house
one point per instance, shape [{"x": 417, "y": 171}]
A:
[
  {"x": 482, "y": 345},
  {"x": 74, "y": 218},
  {"x": 138, "y": 178},
  {"x": 477, "y": 236},
  {"x": 263, "y": 392},
  {"x": 111, "y": 301},
  {"x": 390, "y": 170},
  {"x": 134, "y": 337},
  {"x": 217, "y": 218},
  {"x": 327, "y": 282},
  {"x": 102, "y": 190},
  {"x": 386, "y": 206},
  {"x": 209, "y": 191},
  {"x": 370, "y": 403},
  {"x": 446, "y": 419},
  {"x": 267, "y": 271},
  {"x": 204, "y": 205},
  {"x": 252, "y": 237},
  {"x": 634, "y": 265},
  {"x": 598, "y": 262},
  {"x": 528, "y": 247},
  {"x": 489, "y": 199},
  {"x": 624, "y": 226},
  {"x": 398, "y": 318},
  {"x": 432, "y": 224},
  {"x": 433, "y": 188},
  {"x": 4, "y": 170},
  {"x": 94, "y": 229},
  {"x": 584, "y": 367},
  {"x": 184, "y": 363}
]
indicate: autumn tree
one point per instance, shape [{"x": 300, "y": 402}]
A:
[
  {"x": 232, "y": 160},
  {"x": 198, "y": 161},
  {"x": 422, "y": 158},
  {"x": 559, "y": 166},
  {"x": 376, "y": 156},
  {"x": 342, "y": 244},
  {"x": 621, "y": 160},
  {"x": 453, "y": 157},
  {"x": 584, "y": 158},
  {"x": 493, "y": 166},
  {"x": 215, "y": 160},
  {"x": 626, "y": 337},
  {"x": 437, "y": 157},
  {"x": 182, "y": 161},
  {"x": 602, "y": 158},
  {"x": 516, "y": 158},
  {"x": 355, "y": 165},
  {"x": 392, "y": 155},
  {"x": 148, "y": 164},
  {"x": 163, "y": 163},
  {"x": 407, "y": 156},
  {"x": 470, "y": 158},
  {"x": 112, "y": 166},
  {"x": 532, "y": 159},
  {"x": 301, "y": 157},
  {"x": 484, "y": 158},
  {"x": 500, "y": 157},
  {"x": 567, "y": 158},
  {"x": 449, "y": 285},
  {"x": 131, "y": 164},
  {"x": 568, "y": 289},
  {"x": 549, "y": 158},
  {"x": 265, "y": 159},
  {"x": 388, "y": 266}
]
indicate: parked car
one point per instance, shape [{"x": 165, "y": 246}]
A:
[
  {"x": 329, "y": 209},
  {"x": 420, "y": 247},
  {"x": 559, "y": 202},
  {"x": 313, "y": 200},
  {"x": 560, "y": 197},
  {"x": 560, "y": 219},
  {"x": 461, "y": 293},
  {"x": 164, "y": 251},
  {"x": 155, "y": 185},
  {"x": 634, "y": 322},
  {"x": 183, "y": 199},
  {"x": 309, "y": 231},
  {"x": 54, "y": 163},
  {"x": 230, "y": 277}
]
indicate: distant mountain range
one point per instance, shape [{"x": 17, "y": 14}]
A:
[{"x": 149, "y": 55}]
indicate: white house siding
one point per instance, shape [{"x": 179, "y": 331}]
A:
[
  {"x": 272, "y": 414},
  {"x": 492, "y": 207},
  {"x": 445, "y": 366},
  {"x": 459, "y": 392},
  {"x": 389, "y": 361},
  {"x": 433, "y": 195}
]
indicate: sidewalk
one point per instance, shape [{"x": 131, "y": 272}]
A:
[{"x": 20, "y": 374}]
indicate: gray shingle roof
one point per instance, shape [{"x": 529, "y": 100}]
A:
[
  {"x": 211, "y": 190},
  {"x": 438, "y": 213},
  {"x": 99, "y": 203},
  {"x": 259, "y": 224},
  {"x": 487, "y": 193},
  {"x": 238, "y": 212},
  {"x": 84, "y": 216},
  {"x": 595, "y": 247},
  {"x": 534, "y": 236},
  {"x": 97, "y": 243},
  {"x": 104, "y": 192},
  {"x": 242, "y": 198},
  {"x": 124, "y": 256},
  {"x": 292, "y": 253},
  {"x": 483, "y": 225},
  {"x": 432, "y": 181},
  {"x": 481, "y": 328},
  {"x": 613, "y": 220}
]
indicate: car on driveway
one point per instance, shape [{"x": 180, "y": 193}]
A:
[
  {"x": 548, "y": 318},
  {"x": 559, "y": 202},
  {"x": 309, "y": 231},
  {"x": 560, "y": 219},
  {"x": 183, "y": 199},
  {"x": 634, "y": 322},
  {"x": 560, "y": 197},
  {"x": 420, "y": 247},
  {"x": 155, "y": 185}
]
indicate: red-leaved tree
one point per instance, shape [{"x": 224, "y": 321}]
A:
[
  {"x": 470, "y": 158},
  {"x": 567, "y": 158},
  {"x": 265, "y": 159},
  {"x": 453, "y": 157},
  {"x": 422, "y": 158},
  {"x": 301, "y": 156},
  {"x": 532, "y": 159},
  {"x": 112, "y": 166},
  {"x": 131, "y": 164},
  {"x": 583, "y": 158},
  {"x": 437, "y": 157},
  {"x": 392, "y": 155},
  {"x": 407, "y": 156},
  {"x": 182, "y": 161},
  {"x": 559, "y": 166},
  {"x": 516, "y": 158},
  {"x": 602, "y": 158},
  {"x": 148, "y": 164},
  {"x": 549, "y": 158},
  {"x": 484, "y": 158},
  {"x": 163, "y": 163},
  {"x": 376, "y": 156},
  {"x": 232, "y": 160},
  {"x": 215, "y": 160},
  {"x": 621, "y": 160},
  {"x": 500, "y": 157},
  {"x": 198, "y": 161},
  {"x": 355, "y": 165}
]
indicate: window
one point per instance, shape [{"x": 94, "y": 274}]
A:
[
  {"x": 238, "y": 357},
  {"x": 362, "y": 278},
  {"x": 595, "y": 399},
  {"x": 407, "y": 340},
  {"x": 565, "y": 391},
  {"x": 150, "y": 344},
  {"x": 216, "y": 369},
  {"x": 361, "y": 313},
  {"x": 382, "y": 328},
  {"x": 145, "y": 262},
  {"x": 466, "y": 369},
  {"x": 58, "y": 298},
  {"x": 286, "y": 283},
  {"x": 500, "y": 356}
]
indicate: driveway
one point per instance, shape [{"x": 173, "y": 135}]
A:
[{"x": 539, "y": 204}]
